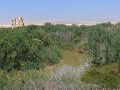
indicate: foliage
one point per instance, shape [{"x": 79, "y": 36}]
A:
[
  {"x": 34, "y": 47},
  {"x": 26, "y": 47},
  {"x": 104, "y": 76},
  {"x": 104, "y": 42},
  {"x": 17, "y": 80},
  {"x": 104, "y": 49},
  {"x": 100, "y": 41},
  {"x": 61, "y": 34}
]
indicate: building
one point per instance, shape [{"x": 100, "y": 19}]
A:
[{"x": 17, "y": 22}]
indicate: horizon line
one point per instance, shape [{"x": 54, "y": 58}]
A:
[
  {"x": 89, "y": 23},
  {"x": 63, "y": 21}
]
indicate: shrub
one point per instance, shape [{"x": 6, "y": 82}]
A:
[
  {"x": 24, "y": 47},
  {"x": 105, "y": 76}
]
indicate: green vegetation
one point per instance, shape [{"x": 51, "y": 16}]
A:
[
  {"x": 39, "y": 79},
  {"x": 18, "y": 80},
  {"x": 105, "y": 76},
  {"x": 104, "y": 42},
  {"x": 26, "y": 48},
  {"x": 68, "y": 37},
  {"x": 31, "y": 48},
  {"x": 103, "y": 48},
  {"x": 101, "y": 42}
]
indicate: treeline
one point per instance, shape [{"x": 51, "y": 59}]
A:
[
  {"x": 67, "y": 37},
  {"x": 26, "y": 48},
  {"x": 104, "y": 44}
]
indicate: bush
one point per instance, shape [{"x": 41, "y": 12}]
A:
[
  {"x": 28, "y": 80},
  {"x": 24, "y": 47},
  {"x": 104, "y": 76},
  {"x": 103, "y": 42}
]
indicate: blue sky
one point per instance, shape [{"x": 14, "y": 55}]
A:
[{"x": 60, "y": 9}]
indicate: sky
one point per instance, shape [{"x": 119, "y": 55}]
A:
[{"x": 84, "y": 10}]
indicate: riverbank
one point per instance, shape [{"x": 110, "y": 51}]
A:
[
  {"x": 69, "y": 63},
  {"x": 65, "y": 75}
]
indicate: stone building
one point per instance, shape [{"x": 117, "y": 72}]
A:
[
  {"x": 17, "y": 22},
  {"x": 14, "y": 23}
]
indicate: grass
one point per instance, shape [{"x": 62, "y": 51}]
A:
[
  {"x": 29, "y": 80},
  {"x": 70, "y": 81},
  {"x": 105, "y": 76},
  {"x": 40, "y": 79}
]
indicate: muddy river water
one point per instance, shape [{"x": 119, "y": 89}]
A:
[{"x": 72, "y": 64}]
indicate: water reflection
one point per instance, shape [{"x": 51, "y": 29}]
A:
[{"x": 71, "y": 64}]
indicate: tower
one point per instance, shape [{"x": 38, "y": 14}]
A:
[
  {"x": 17, "y": 22},
  {"x": 13, "y": 23},
  {"x": 20, "y": 22}
]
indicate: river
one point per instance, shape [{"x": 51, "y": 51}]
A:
[
  {"x": 66, "y": 75},
  {"x": 72, "y": 63}
]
